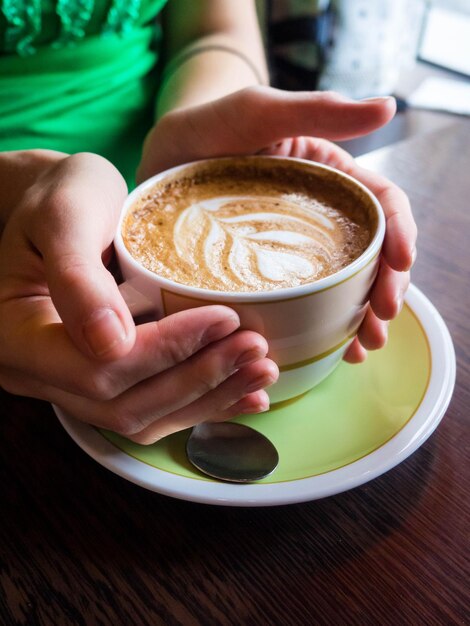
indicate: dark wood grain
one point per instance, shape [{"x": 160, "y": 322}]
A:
[{"x": 79, "y": 545}]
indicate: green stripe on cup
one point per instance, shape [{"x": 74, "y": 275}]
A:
[{"x": 318, "y": 357}]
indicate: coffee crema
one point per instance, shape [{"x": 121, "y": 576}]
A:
[{"x": 239, "y": 226}]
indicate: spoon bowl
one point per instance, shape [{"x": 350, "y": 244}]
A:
[{"x": 231, "y": 452}]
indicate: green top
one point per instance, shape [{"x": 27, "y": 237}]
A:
[{"x": 79, "y": 75}]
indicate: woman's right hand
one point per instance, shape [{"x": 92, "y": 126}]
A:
[{"x": 68, "y": 337}]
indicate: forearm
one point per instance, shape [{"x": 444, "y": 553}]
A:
[
  {"x": 213, "y": 64},
  {"x": 18, "y": 171}
]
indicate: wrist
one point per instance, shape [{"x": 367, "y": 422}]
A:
[
  {"x": 208, "y": 69},
  {"x": 205, "y": 47}
]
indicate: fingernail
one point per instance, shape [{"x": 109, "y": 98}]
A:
[
  {"x": 260, "y": 408},
  {"x": 413, "y": 257},
  {"x": 378, "y": 99},
  {"x": 221, "y": 329},
  {"x": 259, "y": 383},
  {"x": 248, "y": 357},
  {"x": 103, "y": 331}
]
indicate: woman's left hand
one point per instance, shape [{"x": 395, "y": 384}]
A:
[{"x": 299, "y": 124}]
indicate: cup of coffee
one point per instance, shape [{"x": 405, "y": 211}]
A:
[{"x": 291, "y": 245}]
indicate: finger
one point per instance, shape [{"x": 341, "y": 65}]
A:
[
  {"x": 400, "y": 239},
  {"x": 386, "y": 298},
  {"x": 213, "y": 405},
  {"x": 99, "y": 414},
  {"x": 285, "y": 148},
  {"x": 252, "y": 403},
  {"x": 400, "y": 236},
  {"x": 373, "y": 332},
  {"x": 35, "y": 337},
  {"x": 77, "y": 224},
  {"x": 167, "y": 392},
  {"x": 272, "y": 114},
  {"x": 355, "y": 353},
  {"x": 313, "y": 149},
  {"x": 251, "y": 119},
  {"x": 161, "y": 345},
  {"x": 256, "y": 402},
  {"x": 184, "y": 384}
]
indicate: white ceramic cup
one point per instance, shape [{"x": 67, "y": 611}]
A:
[{"x": 308, "y": 328}]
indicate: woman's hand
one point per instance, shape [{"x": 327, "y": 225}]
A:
[
  {"x": 299, "y": 124},
  {"x": 68, "y": 337}
]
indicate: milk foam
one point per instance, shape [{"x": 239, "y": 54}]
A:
[
  {"x": 250, "y": 238},
  {"x": 228, "y": 231}
]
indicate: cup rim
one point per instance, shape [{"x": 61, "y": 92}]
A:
[{"x": 315, "y": 286}]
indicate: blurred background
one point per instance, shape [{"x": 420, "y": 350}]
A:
[{"x": 416, "y": 50}]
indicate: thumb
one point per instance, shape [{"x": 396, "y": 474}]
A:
[
  {"x": 252, "y": 119},
  {"x": 81, "y": 212}
]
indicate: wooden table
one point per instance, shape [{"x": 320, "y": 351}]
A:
[{"x": 79, "y": 545}]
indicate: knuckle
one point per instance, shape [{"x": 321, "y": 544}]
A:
[
  {"x": 172, "y": 348},
  {"x": 208, "y": 376},
  {"x": 99, "y": 386},
  {"x": 328, "y": 96},
  {"x": 174, "y": 351},
  {"x": 71, "y": 266},
  {"x": 71, "y": 271},
  {"x": 402, "y": 200},
  {"x": 255, "y": 93},
  {"x": 55, "y": 202},
  {"x": 401, "y": 193}
]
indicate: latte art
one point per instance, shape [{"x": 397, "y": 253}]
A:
[
  {"x": 236, "y": 233},
  {"x": 260, "y": 244}
]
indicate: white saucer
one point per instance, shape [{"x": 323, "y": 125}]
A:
[{"x": 401, "y": 428}]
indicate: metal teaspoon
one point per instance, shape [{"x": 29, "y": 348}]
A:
[{"x": 231, "y": 452}]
